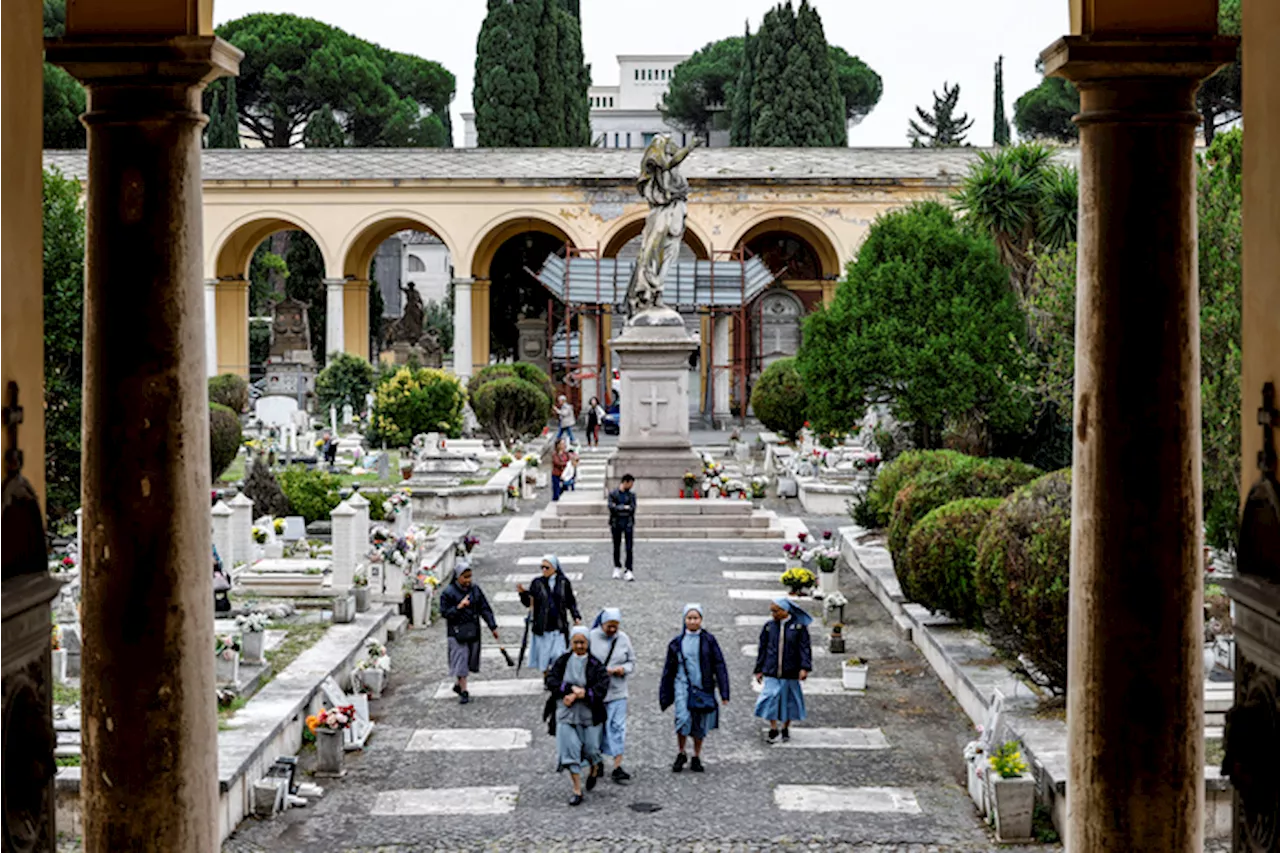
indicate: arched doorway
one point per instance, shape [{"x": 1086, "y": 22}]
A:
[{"x": 776, "y": 333}]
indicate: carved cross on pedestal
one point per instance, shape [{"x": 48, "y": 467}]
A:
[
  {"x": 653, "y": 403},
  {"x": 13, "y": 417},
  {"x": 1269, "y": 420}
]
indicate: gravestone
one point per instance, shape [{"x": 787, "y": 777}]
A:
[
  {"x": 348, "y": 414},
  {"x": 71, "y": 643},
  {"x": 384, "y": 466},
  {"x": 295, "y": 528},
  {"x": 275, "y": 410},
  {"x": 355, "y": 735}
]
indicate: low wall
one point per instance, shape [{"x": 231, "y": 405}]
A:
[{"x": 830, "y": 499}]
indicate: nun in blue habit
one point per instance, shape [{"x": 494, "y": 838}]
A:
[
  {"x": 694, "y": 670},
  {"x": 551, "y": 604},
  {"x": 784, "y": 658},
  {"x": 578, "y": 684}
]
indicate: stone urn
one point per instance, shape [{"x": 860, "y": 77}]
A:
[
  {"x": 853, "y": 676},
  {"x": 419, "y": 601},
  {"x": 1013, "y": 801},
  {"x": 362, "y": 599},
  {"x": 251, "y": 646},
  {"x": 373, "y": 680},
  {"x": 227, "y": 669},
  {"x": 329, "y": 752}
]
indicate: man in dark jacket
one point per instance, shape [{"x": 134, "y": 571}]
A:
[
  {"x": 463, "y": 605},
  {"x": 622, "y": 521}
]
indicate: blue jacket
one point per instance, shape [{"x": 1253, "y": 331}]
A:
[
  {"x": 715, "y": 674},
  {"x": 622, "y": 508},
  {"x": 464, "y": 622},
  {"x": 796, "y": 651}
]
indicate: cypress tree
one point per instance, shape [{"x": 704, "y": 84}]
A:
[
  {"x": 577, "y": 80},
  {"x": 830, "y": 126},
  {"x": 740, "y": 106},
  {"x": 1000, "y": 133},
  {"x": 550, "y": 103},
  {"x": 223, "y": 130},
  {"x": 506, "y": 83},
  {"x": 769, "y": 98},
  {"x": 323, "y": 130}
]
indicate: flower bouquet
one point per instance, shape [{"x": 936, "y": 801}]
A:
[
  {"x": 259, "y": 535},
  {"x": 251, "y": 623},
  {"x": 505, "y": 459},
  {"x": 798, "y": 580},
  {"x": 531, "y": 461},
  {"x": 395, "y": 502},
  {"x": 278, "y": 524},
  {"x": 513, "y": 491},
  {"x": 226, "y": 649},
  {"x": 328, "y": 726},
  {"x": 332, "y": 719},
  {"x": 759, "y": 485},
  {"x": 470, "y": 542},
  {"x": 690, "y": 484},
  {"x": 825, "y": 557}
]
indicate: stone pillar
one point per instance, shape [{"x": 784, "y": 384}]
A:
[
  {"x": 231, "y": 297},
  {"x": 589, "y": 341},
  {"x": 211, "y": 325},
  {"x": 221, "y": 520},
  {"x": 355, "y": 317},
  {"x": 1136, "y": 675},
  {"x": 334, "y": 307},
  {"x": 479, "y": 324},
  {"x": 149, "y": 724},
  {"x": 344, "y": 546},
  {"x": 462, "y": 327},
  {"x": 721, "y": 365},
  {"x": 360, "y": 504},
  {"x": 241, "y": 530}
]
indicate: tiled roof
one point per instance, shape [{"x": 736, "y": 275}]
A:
[{"x": 573, "y": 165}]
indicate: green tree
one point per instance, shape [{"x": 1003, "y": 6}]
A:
[
  {"x": 941, "y": 128},
  {"x": 860, "y": 86},
  {"x": 701, "y": 93},
  {"x": 1000, "y": 124},
  {"x": 345, "y": 380},
  {"x": 64, "y": 100},
  {"x": 924, "y": 322},
  {"x": 1045, "y": 112},
  {"x": 224, "y": 438},
  {"x": 1219, "y": 99},
  {"x": 412, "y": 401},
  {"x": 293, "y": 66},
  {"x": 323, "y": 130},
  {"x": 779, "y": 398},
  {"x": 740, "y": 99},
  {"x": 64, "y": 229},
  {"x": 223, "y": 130},
  {"x": 795, "y": 97}
]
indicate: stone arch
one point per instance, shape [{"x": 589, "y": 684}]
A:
[
  {"x": 803, "y": 225},
  {"x": 628, "y": 228},
  {"x": 232, "y": 250},
  {"x": 361, "y": 243},
  {"x": 511, "y": 224}
]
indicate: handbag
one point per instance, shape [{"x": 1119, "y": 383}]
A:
[
  {"x": 567, "y": 474},
  {"x": 700, "y": 699}
]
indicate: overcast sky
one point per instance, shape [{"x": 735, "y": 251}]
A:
[{"x": 914, "y": 45}]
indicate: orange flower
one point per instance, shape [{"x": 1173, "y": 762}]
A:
[{"x": 312, "y": 722}]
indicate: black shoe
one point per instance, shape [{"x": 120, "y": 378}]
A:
[
  {"x": 457, "y": 688},
  {"x": 466, "y": 697},
  {"x": 696, "y": 764},
  {"x": 681, "y": 759},
  {"x": 786, "y": 735},
  {"x": 592, "y": 780},
  {"x": 773, "y": 735},
  {"x": 620, "y": 775},
  {"x": 575, "y": 800}
]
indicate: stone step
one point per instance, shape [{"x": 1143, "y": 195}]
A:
[
  {"x": 655, "y": 506},
  {"x": 660, "y": 521},
  {"x": 602, "y": 533},
  {"x": 396, "y": 626}
]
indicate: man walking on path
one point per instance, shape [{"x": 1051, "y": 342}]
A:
[
  {"x": 463, "y": 605},
  {"x": 622, "y": 521},
  {"x": 567, "y": 418},
  {"x": 613, "y": 648}
]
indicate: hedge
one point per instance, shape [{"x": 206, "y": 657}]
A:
[
  {"x": 875, "y": 508},
  {"x": 530, "y": 373},
  {"x": 224, "y": 438},
  {"x": 940, "y": 556},
  {"x": 510, "y": 409},
  {"x": 779, "y": 398},
  {"x": 262, "y": 487},
  {"x": 1022, "y": 574},
  {"x": 414, "y": 401},
  {"x": 311, "y": 494},
  {"x": 230, "y": 390}
]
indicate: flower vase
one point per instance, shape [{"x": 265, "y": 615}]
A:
[
  {"x": 362, "y": 599},
  {"x": 59, "y": 661},
  {"x": 251, "y": 646},
  {"x": 418, "y": 603},
  {"x": 828, "y": 582},
  {"x": 1013, "y": 801},
  {"x": 853, "y": 676},
  {"x": 227, "y": 670},
  {"x": 374, "y": 680},
  {"x": 329, "y": 752}
]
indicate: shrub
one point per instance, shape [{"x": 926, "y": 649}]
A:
[
  {"x": 264, "y": 490},
  {"x": 1022, "y": 574},
  {"x": 346, "y": 379},
  {"x": 311, "y": 494},
  {"x": 779, "y": 398},
  {"x": 377, "y": 505},
  {"x": 518, "y": 370},
  {"x": 892, "y": 477},
  {"x": 940, "y": 556},
  {"x": 969, "y": 477},
  {"x": 510, "y": 409},
  {"x": 230, "y": 390},
  {"x": 412, "y": 401},
  {"x": 224, "y": 438}
]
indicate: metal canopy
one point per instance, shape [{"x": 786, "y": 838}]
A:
[{"x": 603, "y": 281}]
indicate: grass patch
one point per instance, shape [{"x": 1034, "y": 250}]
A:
[
  {"x": 1042, "y": 828},
  {"x": 67, "y": 760},
  {"x": 65, "y": 694},
  {"x": 298, "y": 640},
  {"x": 1214, "y": 752},
  {"x": 236, "y": 472}
]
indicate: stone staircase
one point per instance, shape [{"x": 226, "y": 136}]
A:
[{"x": 579, "y": 516}]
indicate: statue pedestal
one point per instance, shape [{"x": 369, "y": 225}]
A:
[{"x": 652, "y": 357}]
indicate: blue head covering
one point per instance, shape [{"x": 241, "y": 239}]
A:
[
  {"x": 798, "y": 613},
  {"x": 609, "y": 614},
  {"x": 554, "y": 561},
  {"x": 687, "y": 608},
  {"x": 578, "y": 629}
]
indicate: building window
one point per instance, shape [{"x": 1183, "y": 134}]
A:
[
  {"x": 611, "y": 100},
  {"x": 628, "y": 140},
  {"x": 416, "y": 264},
  {"x": 637, "y": 73},
  {"x": 615, "y": 140},
  {"x": 648, "y": 137},
  {"x": 684, "y": 140}
]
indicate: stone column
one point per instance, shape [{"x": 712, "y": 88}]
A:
[
  {"x": 345, "y": 555},
  {"x": 462, "y": 327},
  {"x": 721, "y": 360},
  {"x": 231, "y": 297},
  {"x": 241, "y": 530},
  {"x": 1136, "y": 675},
  {"x": 334, "y": 328},
  {"x": 211, "y": 325},
  {"x": 355, "y": 317},
  {"x": 221, "y": 517},
  {"x": 360, "y": 504},
  {"x": 589, "y": 341},
  {"x": 149, "y": 725},
  {"x": 480, "y": 323}
]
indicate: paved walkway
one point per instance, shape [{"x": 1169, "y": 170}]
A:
[{"x": 881, "y": 771}]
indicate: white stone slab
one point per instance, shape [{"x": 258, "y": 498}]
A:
[
  {"x": 505, "y": 597},
  {"x": 833, "y": 798},
  {"x": 469, "y": 740},
  {"x": 764, "y": 577},
  {"x": 509, "y": 687},
  {"x": 523, "y": 578},
  {"x": 514, "y": 531},
  {"x": 814, "y": 686},
  {"x": 806, "y": 738},
  {"x": 571, "y": 560},
  {"x": 415, "y": 802},
  {"x": 770, "y": 595},
  {"x": 735, "y": 558},
  {"x": 751, "y": 620},
  {"x": 506, "y": 620},
  {"x": 792, "y": 527},
  {"x": 749, "y": 650}
]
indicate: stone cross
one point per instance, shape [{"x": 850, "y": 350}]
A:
[{"x": 653, "y": 403}]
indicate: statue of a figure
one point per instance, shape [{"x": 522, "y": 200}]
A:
[
  {"x": 290, "y": 330},
  {"x": 408, "y": 328},
  {"x": 667, "y": 192}
]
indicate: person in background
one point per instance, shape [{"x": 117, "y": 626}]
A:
[
  {"x": 612, "y": 647},
  {"x": 551, "y": 602},
  {"x": 463, "y": 605},
  {"x": 578, "y": 684},
  {"x": 564, "y": 411},
  {"x": 784, "y": 658},
  {"x": 562, "y": 468},
  {"x": 221, "y": 585},
  {"x": 694, "y": 670},
  {"x": 595, "y": 417},
  {"x": 622, "y": 521}
]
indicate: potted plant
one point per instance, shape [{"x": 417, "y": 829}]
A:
[
  {"x": 226, "y": 648},
  {"x": 798, "y": 580},
  {"x": 827, "y": 559},
  {"x": 505, "y": 460},
  {"x": 371, "y": 671},
  {"x": 360, "y": 586},
  {"x": 259, "y": 535},
  {"x": 328, "y": 726},
  {"x": 252, "y": 627},
  {"x": 853, "y": 674},
  {"x": 278, "y": 525},
  {"x": 1013, "y": 793},
  {"x": 759, "y": 486},
  {"x": 690, "y": 484}
]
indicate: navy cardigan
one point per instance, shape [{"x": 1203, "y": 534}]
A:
[
  {"x": 715, "y": 674},
  {"x": 797, "y": 654}
]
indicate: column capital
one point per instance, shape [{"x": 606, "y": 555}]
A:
[
  {"x": 109, "y": 61},
  {"x": 464, "y": 282},
  {"x": 1087, "y": 60}
]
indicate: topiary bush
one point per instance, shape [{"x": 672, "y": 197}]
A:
[
  {"x": 875, "y": 508},
  {"x": 510, "y": 409},
  {"x": 1022, "y": 574},
  {"x": 311, "y": 494},
  {"x": 230, "y": 390},
  {"x": 262, "y": 487},
  {"x": 346, "y": 379},
  {"x": 940, "y": 556},
  {"x": 224, "y": 438},
  {"x": 415, "y": 400},
  {"x": 779, "y": 398},
  {"x": 516, "y": 370}
]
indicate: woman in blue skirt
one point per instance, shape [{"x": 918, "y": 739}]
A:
[
  {"x": 783, "y": 660},
  {"x": 551, "y": 604}
]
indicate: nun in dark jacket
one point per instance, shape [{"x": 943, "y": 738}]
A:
[
  {"x": 463, "y": 605},
  {"x": 551, "y": 603},
  {"x": 578, "y": 684},
  {"x": 694, "y": 670},
  {"x": 784, "y": 658}
]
